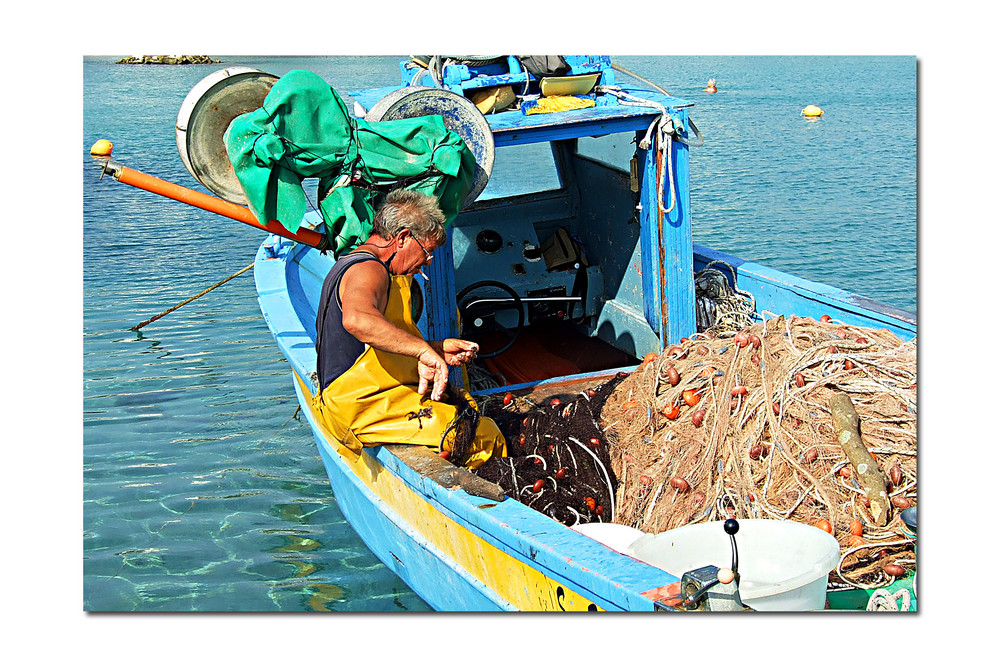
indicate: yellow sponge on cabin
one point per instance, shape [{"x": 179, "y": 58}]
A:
[{"x": 557, "y": 103}]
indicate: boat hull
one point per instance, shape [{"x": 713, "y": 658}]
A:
[
  {"x": 372, "y": 500},
  {"x": 463, "y": 553}
]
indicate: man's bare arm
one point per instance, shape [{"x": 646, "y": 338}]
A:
[{"x": 363, "y": 291}]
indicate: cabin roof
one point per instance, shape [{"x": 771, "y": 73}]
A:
[{"x": 514, "y": 127}]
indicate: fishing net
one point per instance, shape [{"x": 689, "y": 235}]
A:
[
  {"x": 740, "y": 425},
  {"x": 558, "y": 456},
  {"x": 464, "y": 425},
  {"x": 730, "y": 423}
]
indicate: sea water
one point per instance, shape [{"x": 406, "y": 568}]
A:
[{"x": 202, "y": 486}]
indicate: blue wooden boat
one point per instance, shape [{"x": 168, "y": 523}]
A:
[{"x": 595, "y": 176}]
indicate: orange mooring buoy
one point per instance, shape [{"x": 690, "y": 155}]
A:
[
  {"x": 711, "y": 87},
  {"x": 101, "y": 147}
]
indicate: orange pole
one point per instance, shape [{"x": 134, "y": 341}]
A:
[{"x": 207, "y": 202}]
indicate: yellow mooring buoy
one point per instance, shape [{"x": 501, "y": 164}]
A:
[
  {"x": 101, "y": 147},
  {"x": 812, "y": 111}
]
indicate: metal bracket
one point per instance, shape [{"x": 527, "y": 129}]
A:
[
  {"x": 111, "y": 168},
  {"x": 702, "y": 591}
]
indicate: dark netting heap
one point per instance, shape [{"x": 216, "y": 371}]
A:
[{"x": 558, "y": 456}]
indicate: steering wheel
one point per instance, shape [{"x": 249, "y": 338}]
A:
[{"x": 478, "y": 313}]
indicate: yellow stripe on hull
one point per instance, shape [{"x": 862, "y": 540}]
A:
[{"x": 516, "y": 582}]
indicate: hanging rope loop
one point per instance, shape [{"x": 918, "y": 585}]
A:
[{"x": 660, "y": 134}]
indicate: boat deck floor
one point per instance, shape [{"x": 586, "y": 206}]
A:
[{"x": 554, "y": 349}]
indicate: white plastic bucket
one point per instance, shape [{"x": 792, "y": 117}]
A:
[
  {"x": 783, "y": 565},
  {"x": 612, "y": 535}
]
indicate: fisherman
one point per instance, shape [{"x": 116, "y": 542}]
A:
[{"x": 375, "y": 369}]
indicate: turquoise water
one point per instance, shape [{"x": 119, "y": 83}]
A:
[{"x": 202, "y": 488}]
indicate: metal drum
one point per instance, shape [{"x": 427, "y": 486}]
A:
[
  {"x": 203, "y": 119},
  {"x": 460, "y": 116}
]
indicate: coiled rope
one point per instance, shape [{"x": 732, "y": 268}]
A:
[
  {"x": 727, "y": 309},
  {"x": 883, "y": 600}
]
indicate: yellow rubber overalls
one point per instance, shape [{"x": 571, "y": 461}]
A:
[{"x": 375, "y": 402}]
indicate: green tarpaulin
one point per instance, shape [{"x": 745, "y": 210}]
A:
[{"x": 303, "y": 130}]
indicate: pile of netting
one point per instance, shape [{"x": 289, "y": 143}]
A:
[
  {"x": 557, "y": 454},
  {"x": 740, "y": 425}
]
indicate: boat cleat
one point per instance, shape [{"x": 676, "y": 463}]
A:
[{"x": 272, "y": 247}]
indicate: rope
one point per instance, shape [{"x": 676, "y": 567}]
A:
[
  {"x": 527, "y": 79},
  {"x": 187, "y": 301},
  {"x": 437, "y": 66},
  {"x": 607, "y": 477},
  {"x": 732, "y": 308},
  {"x": 883, "y": 600},
  {"x": 872, "y": 545},
  {"x": 418, "y": 74},
  {"x": 665, "y": 143},
  {"x": 295, "y": 414},
  {"x": 700, "y": 141},
  {"x": 645, "y": 81},
  {"x": 664, "y": 128}
]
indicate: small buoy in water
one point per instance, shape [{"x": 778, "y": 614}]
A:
[
  {"x": 101, "y": 147},
  {"x": 812, "y": 111},
  {"x": 711, "y": 87}
]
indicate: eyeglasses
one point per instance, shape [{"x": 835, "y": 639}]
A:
[{"x": 430, "y": 256}]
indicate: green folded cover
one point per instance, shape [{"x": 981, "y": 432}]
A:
[{"x": 303, "y": 130}]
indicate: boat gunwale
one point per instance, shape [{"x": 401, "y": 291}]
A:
[{"x": 904, "y": 321}]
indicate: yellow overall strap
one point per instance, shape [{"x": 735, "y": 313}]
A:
[{"x": 376, "y": 402}]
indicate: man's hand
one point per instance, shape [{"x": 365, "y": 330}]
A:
[
  {"x": 433, "y": 372},
  {"x": 457, "y": 352}
]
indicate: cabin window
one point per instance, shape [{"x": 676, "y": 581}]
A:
[
  {"x": 613, "y": 150},
  {"x": 521, "y": 170}
]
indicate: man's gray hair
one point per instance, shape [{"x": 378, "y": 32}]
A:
[{"x": 408, "y": 209}]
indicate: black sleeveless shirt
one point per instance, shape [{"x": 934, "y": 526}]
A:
[{"x": 336, "y": 349}]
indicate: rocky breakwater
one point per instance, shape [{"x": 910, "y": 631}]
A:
[{"x": 167, "y": 60}]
